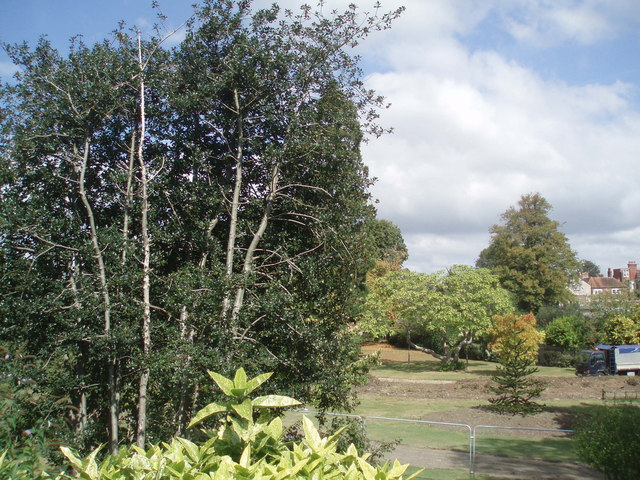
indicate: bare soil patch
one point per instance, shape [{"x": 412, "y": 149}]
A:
[
  {"x": 556, "y": 388},
  {"x": 553, "y": 417}
]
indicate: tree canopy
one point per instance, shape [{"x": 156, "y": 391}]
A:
[
  {"x": 530, "y": 256},
  {"x": 164, "y": 212},
  {"x": 455, "y": 305},
  {"x": 591, "y": 268},
  {"x": 388, "y": 242}
]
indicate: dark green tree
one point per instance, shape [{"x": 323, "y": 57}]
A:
[
  {"x": 532, "y": 258},
  {"x": 591, "y": 268},
  {"x": 607, "y": 439},
  {"x": 388, "y": 242},
  {"x": 168, "y": 212}
]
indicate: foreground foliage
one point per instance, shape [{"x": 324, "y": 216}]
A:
[
  {"x": 32, "y": 420},
  {"x": 246, "y": 444},
  {"x": 609, "y": 440}
]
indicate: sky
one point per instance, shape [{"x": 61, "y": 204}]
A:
[{"x": 489, "y": 100}]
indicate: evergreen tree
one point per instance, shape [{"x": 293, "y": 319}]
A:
[{"x": 515, "y": 342}]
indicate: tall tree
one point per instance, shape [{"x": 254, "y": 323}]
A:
[
  {"x": 168, "y": 212},
  {"x": 591, "y": 268},
  {"x": 532, "y": 258},
  {"x": 389, "y": 242}
]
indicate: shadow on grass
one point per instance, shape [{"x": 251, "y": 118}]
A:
[
  {"x": 420, "y": 366},
  {"x": 417, "y": 366}
]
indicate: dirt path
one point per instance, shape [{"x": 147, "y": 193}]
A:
[{"x": 498, "y": 467}]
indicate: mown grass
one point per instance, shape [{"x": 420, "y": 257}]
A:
[
  {"x": 447, "y": 474},
  {"x": 395, "y": 364},
  {"x": 444, "y": 474}
]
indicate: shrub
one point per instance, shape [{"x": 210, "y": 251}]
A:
[
  {"x": 452, "y": 366},
  {"x": 567, "y": 332},
  {"x": 550, "y": 356},
  {"x": 246, "y": 444},
  {"x": 608, "y": 439},
  {"x": 32, "y": 420}
]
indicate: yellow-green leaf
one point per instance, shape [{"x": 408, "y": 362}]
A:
[
  {"x": 274, "y": 401},
  {"x": 206, "y": 412},
  {"x": 255, "y": 382},
  {"x": 240, "y": 379},
  {"x": 224, "y": 383},
  {"x": 244, "y": 409}
]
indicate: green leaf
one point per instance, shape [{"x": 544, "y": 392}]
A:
[
  {"x": 75, "y": 461},
  {"x": 240, "y": 379},
  {"x": 244, "y": 409},
  {"x": 274, "y": 429},
  {"x": 224, "y": 383},
  {"x": 311, "y": 433},
  {"x": 255, "y": 382},
  {"x": 368, "y": 471},
  {"x": 206, "y": 412},
  {"x": 274, "y": 401},
  {"x": 245, "y": 459},
  {"x": 191, "y": 448}
]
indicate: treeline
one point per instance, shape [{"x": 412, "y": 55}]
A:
[{"x": 170, "y": 211}]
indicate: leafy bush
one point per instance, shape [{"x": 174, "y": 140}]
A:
[
  {"x": 32, "y": 420},
  {"x": 567, "y": 332},
  {"x": 246, "y": 444},
  {"x": 608, "y": 439},
  {"x": 550, "y": 356},
  {"x": 451, "y": 366}
]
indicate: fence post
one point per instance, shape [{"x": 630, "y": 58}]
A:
[{"x": 472, "y": 453}]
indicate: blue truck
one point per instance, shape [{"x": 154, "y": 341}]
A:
[{"x": 610, "y": 360}]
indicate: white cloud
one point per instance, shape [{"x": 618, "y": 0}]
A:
[
  {"x": 474, "y": 131},
  {"x": 546, "y": 23}
]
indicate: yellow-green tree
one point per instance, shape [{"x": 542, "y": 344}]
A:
[
  {"x": 453, "y": 305},
  {"x": 622, "y": 330}
]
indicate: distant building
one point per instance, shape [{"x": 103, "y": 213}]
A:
[
  {"x": 588, "y": 286},
  {"x": 606, "y": 285},
  {"x": 629, "y": 275}
]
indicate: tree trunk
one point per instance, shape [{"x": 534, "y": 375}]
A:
[
  {"x": 433, "y": 353},
  {"x": 80, "y": 418},
  {"x": 128, "y": 197},
  {"x": 235, "y": 202},
  {"x": 467, "y": 340},
  {"x": 102, "y": 275},
  {"x": 247, "y": 268},
  {"x": 187, "y": 336},
  {"x": 146, "y": 268}
]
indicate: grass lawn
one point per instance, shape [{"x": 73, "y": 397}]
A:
[
  {"x": 425, "y": 367},
  {"x": 444, "y": 474}
]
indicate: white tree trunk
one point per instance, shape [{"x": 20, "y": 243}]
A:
[
  {"x": 248, "y": 264},
  {"x": 235, "y": 201},
  {"x": 102, "y": 275},
  {"x": 146, "y": 267}
]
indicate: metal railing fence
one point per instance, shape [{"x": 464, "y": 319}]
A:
[{"x": 472, "y": 430}]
